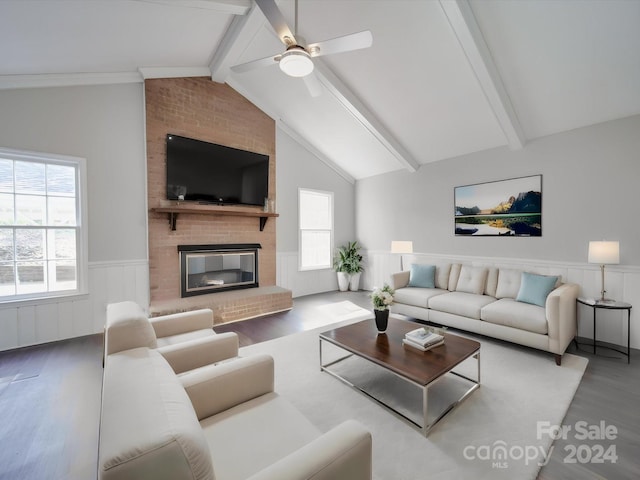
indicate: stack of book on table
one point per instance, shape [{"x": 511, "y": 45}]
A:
[{"x": 422, "y": 339}]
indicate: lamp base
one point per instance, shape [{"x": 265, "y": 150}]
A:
[{"x": 605, "y": 300}]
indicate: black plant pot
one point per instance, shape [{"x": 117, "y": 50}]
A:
[{"x": 382, "y": 319}]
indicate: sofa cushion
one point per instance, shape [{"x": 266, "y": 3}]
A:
[
  {"x": 453, "y": 276},
  {"x": 442, "y": 275},
  {"x": 460, "y": 303},
  {"x": 492, "y": 282},
  {"x": 512, "y": 313},
  {"x": 534, "y": 288},
  {"x": 148, "y": 428},
  {"x": 283, "y": 430},
  {"x": 422, "y": 276},
  {"x": 472, "y": 280},
  {"x": 508, "y": 283},
  {"x": 418, "y": 297}
]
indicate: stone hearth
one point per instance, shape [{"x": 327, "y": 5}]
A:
[{"x": 230, "y": 306}]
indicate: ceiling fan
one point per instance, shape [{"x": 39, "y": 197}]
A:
[{"x": 296, "y": 60}]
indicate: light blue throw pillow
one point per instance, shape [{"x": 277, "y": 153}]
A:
[
  {"x": 423, "y": 276},
  {"x": 534, "y": 288}
]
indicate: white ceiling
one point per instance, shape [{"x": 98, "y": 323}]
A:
[{"x": 443, "y": 77}]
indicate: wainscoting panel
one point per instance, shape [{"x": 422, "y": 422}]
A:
[
  {"x": 622, "y": 283},
  {"x": 8, "y": 328},
  {"x": 40, "y": 321},
  {"x": 118, "y": 281}
]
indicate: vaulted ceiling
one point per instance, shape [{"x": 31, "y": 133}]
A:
[{"x": 443, "y": 77}]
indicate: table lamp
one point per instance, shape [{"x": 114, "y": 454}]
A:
[
  {"x": 604, "y": 253},
  {"x": 401, "y": 246}
]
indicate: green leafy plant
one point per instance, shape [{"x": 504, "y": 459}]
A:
[{"x": 348, "y": 259}]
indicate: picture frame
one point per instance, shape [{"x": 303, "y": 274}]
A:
[{"x": 504, "y": 208}]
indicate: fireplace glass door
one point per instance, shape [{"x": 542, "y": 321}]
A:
[{"x": 211, "y": 271}]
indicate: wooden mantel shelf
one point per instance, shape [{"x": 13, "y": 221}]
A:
[{"x": 216, "y": 210}]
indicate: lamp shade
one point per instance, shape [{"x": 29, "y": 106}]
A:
[
  {"x": 604, "y": 252},
  {"x": 401, "y": 246}
]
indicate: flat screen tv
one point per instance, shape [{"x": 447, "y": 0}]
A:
[{"x": 210, "y": 173}]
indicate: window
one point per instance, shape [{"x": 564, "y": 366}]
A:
[
  {"x": 42, "y": 242},
  {"x": 316, "y": 229}
]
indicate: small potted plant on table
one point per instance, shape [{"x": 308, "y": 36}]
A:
[{"x": 382, "y": 299}]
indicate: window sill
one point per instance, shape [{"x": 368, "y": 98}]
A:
[{"x": 44, "y": 300}]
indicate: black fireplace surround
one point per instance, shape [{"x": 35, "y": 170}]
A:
[{"x": 208, "y": 269}]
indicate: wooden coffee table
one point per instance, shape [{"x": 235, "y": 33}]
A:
[{"x": 422, "y": 369}]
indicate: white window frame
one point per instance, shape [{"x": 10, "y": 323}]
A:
[
  {"x": 328, "y": 194},
  {"x": 82, "y": 236}
]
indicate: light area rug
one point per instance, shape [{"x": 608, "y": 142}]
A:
[
  {"x": 493, "y": 434},
  {"x": 342, "y": 311}
]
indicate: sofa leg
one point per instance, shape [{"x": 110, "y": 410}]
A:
[{"x": 558, "y": 359}]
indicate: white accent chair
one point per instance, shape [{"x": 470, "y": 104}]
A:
[{"x": 128, "y": 327}]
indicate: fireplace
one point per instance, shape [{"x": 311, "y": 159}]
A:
[{"x": 208, "y": 269}]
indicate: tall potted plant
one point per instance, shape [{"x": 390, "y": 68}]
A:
[
  {"x": 341, "y": 266},
  {"x": 348, "y": 265},
  {"x": 355, "y": 265}
]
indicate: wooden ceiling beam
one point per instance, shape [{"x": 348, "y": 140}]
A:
[
  {"x": 469, "y": 35},
  {"x": 363, "y": 115},
  {"x": 239, "y": 34}
]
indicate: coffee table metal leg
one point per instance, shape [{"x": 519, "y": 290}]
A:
[
  {"x": 338, "y": 360},
  {"x": 425, "y": 410},
  {"x": 425, "y": 428}
]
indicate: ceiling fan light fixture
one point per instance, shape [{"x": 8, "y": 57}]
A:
[{"x": 296, "y": 62}]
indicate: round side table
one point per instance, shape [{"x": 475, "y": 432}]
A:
[{"x": 609, "y": 305}]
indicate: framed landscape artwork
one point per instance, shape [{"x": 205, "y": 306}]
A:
[{"x": 510, "y": 207}]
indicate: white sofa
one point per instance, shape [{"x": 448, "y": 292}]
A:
[
  {"x": 219, "y": 421},
  {"x": 483, "y": 299}
]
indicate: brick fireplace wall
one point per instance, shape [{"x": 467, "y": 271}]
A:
[{"x": 202, "y": 109}]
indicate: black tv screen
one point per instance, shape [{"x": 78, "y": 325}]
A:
[{"x": 206, "y": 172}]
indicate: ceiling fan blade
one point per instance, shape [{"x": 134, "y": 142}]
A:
[
  {"x": 313, "y": 84},
  {"x": 354, "y": 41},
  {"x": 261, "y": 62},
  {"x": 277, "y": 21}
]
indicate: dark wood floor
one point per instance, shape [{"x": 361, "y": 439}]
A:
[{"x": 50, "y": 404}]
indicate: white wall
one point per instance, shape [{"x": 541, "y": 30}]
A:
[
  {"x": 589, "y": 191},
  {"x": 590, "y": 179},
  {"x": 105, "y": 125},
  {"x": 297, "y": 167}
]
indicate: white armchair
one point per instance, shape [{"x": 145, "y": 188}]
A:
[{"x": 128, "y": 327}]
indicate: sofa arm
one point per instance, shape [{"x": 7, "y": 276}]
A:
[
  {"x": 199, "y": 352},
  {"x": 343, "y": 453},
  {"x": 400, "y": 279},
  {"x": 216, "y": 388},
  {"x": 184, "y": 322},
  {"x": 560, "y": 309}
]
